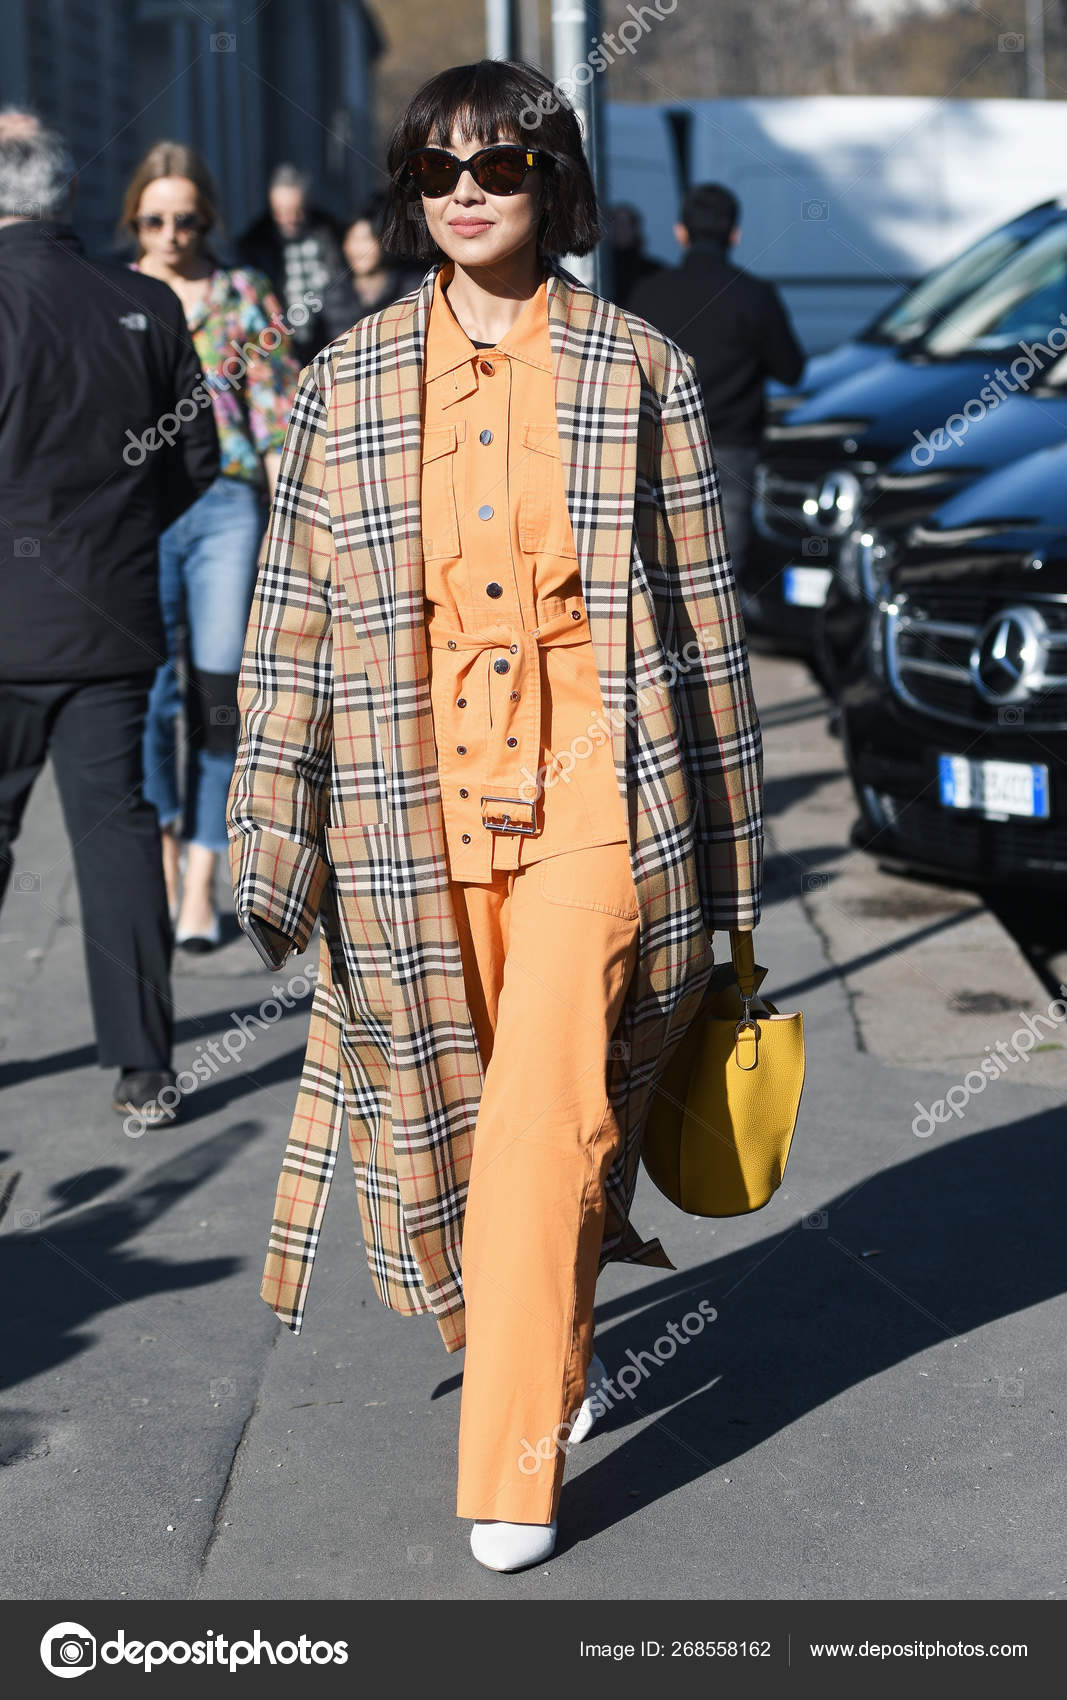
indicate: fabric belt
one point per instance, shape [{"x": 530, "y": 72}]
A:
[{"x": 511, "y": 813}]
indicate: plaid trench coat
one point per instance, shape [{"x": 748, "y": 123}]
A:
[{"x": 335, "y": 806}]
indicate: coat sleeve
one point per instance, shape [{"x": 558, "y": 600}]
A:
[
  {"x": 712, "y": 687},
  {"x": 279, "y": 794}
]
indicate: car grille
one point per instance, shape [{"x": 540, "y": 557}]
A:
[
  {"x": 929, "y": 640},
  {"x": 952, "y": 839}
]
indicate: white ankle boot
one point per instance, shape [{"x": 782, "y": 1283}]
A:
[
  {"x": 587, "y": 1416},
  {"x": 511, "y": 1546}
]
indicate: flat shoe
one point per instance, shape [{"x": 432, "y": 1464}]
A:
[
  {"x": 137, "y": 1092},
  {"x": 512, "y": 1546},
  {"x": 588, "y": 1414},
  {"x": 200, "y": 941}
]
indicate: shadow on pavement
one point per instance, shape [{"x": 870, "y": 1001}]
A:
[
  {"x": 70, "y": 1269},
  {"x": 968, "y": 1233}
]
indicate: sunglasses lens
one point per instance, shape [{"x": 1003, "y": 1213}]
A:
[
  {"x": 502, "y": 173},
  {"x": 156, "y": 221},
  {"x": 434, "y": 172}
]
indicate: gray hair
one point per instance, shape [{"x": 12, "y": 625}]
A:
[
  {"x": 36, "y": 170},
  {"x": 290, "y": 177}
]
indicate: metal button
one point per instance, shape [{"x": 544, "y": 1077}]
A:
[
  {"x": 514, "y": 649},
  {"x": 575, "y": 614},
  {"x": 485, "y": 436},
  {"x": 501, "y": 666},
  {"x": 514, "y": 696},
  {"x": 485, "y": 511},
  {"x": 494, "y": 589},
  {"x": 463, "y": 791},
  {"x": 451, "y": 643},
  {"x": 466, "y": 838},
  {"x": 486, "y": 366},
  {"x": 461, "y": 702},
  {"x": 512, "y": 742},
  {"x": 461, "y": 749}
]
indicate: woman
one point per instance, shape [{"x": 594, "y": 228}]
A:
[
  {"x": 207, "y": 558},
  {"x": 371, "y": 281},
  {"x": 502, "y": 736}
]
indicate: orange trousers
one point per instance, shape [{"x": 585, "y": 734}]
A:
[{"x": 548, "y": 951}]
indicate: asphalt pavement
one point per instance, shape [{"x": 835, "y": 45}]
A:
[{"x": 874, "y": 1411}]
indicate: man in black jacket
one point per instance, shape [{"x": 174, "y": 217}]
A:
[
  {"x": 739, "y": 333},
  {"x": 106, "y": 436},
  {"x": 298, "y": 246}
]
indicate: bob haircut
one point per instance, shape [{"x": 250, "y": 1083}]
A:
[{"x": 498, "y": 100}]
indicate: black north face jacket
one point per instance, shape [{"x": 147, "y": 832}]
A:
[{"x": 94, "y": 359}]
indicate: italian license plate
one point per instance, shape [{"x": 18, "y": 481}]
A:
[
  {"x": 806, "y": 587},
  {"x": 994, "y": 788}
]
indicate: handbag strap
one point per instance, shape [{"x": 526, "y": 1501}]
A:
[
  {"x": 743, "y": 952},
  {"x": 742, "y": 949}
]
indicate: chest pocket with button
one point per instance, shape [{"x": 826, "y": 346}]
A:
[
  {"x": 440, "y": 490},
  {"x": 544, "y": 522}
]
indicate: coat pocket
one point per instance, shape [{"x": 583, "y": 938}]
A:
[
  {"x": 544, "y": 520},
  {"x": 440, "y": 494},
  {"x": 596, "y": 877}
]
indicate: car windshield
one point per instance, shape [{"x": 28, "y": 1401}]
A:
[
  {"x": 1023, "y": 301},
  {"x": 925, "y": 304}
]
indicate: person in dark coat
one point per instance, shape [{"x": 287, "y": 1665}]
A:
[
  {"x": 298, "y": 246},
  {"x": 630, "y": 264},
  {"x": 371, "y": 279},
  {"x": 106, "y": 436},
  {"x": 739, "y": 333}
]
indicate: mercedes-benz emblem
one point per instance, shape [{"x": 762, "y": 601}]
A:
[
  {"x": 1008, "y": 659},
  {"x": 834, "y": 509}
]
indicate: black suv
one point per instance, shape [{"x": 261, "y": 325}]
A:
[
  {"x": 955, "y": 729},
  {"x": 859, "y": 456},
  {"x": 915, "y": 311}
]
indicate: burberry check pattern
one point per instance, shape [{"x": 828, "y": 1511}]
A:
[{"x": 335, "y": 807}]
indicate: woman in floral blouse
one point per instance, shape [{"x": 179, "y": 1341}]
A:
[{"x": 208, "y": 557}]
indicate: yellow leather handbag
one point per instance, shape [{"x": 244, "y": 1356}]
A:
[{"x": 722, "y": 1118}]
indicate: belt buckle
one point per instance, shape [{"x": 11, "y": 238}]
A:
[{"x": 505, "y": 822}]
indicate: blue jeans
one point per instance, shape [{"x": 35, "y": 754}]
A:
[{"x": 207, "y": 577}]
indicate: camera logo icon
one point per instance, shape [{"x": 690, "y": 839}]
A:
[{"x": 68, "y": 1649}]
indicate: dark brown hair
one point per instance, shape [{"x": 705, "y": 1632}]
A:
[
  {"x": 170, "y": 159},
  {"x": 498, "y": 100}
]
